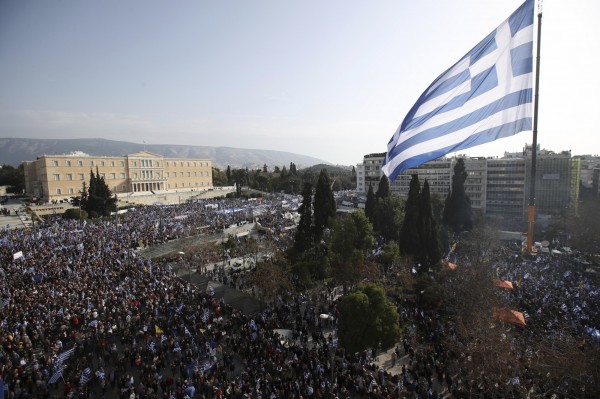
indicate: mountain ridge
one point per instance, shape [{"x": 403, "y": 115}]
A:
[{"x": 14, "y": 151}]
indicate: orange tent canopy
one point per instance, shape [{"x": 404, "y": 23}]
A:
[
  {"x": 503, "y": 284},
  {"x": 509, "y": 315}
]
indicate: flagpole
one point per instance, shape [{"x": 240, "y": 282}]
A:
[{"x": 531, "y": 207}]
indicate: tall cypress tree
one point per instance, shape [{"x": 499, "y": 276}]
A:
[
  {"x": 409, "y": 233},
  {"x": 457, "y": 209},
  {"x": 431, "y": 247},
  {"x": 324, "y": 205},
  {"x": 370, "y": 204},
  {"x": 303, "y": 238},
  {"x": 383, "y": 191}
]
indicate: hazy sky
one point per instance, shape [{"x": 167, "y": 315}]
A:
[{"x": 328, "y": 78}]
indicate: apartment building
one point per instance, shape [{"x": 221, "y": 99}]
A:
[
  {"x": 497, "y": 187},
  {"x": 59, "y": 177}
]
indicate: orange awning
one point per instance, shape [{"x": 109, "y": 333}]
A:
[
  {"x": 503, "y": 284},
  {"x": 509, "y": 316}
]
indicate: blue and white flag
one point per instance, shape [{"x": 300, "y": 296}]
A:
[
  {"x": 93, "y": 324},
  {"x": 187, "y": 332},
  {"x": 65, "y": 355},
  {"x": 485, "y": 96},
  {"x": 151, "y": 346},
  {"x": 86, "y": 376},
  {"x": 56, "y": 375}
]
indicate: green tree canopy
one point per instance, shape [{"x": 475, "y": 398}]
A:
[
  {"x": 98, "y": 200},
  {"x": 409, "y": 239},
  {"x": 458, "y": 215},
  {"x": 367, "y": 319},
  {"x": 303, "y": 239},
  {"x": 12, "y": 177},
  {"x": 219, "y": 177},
  {"x": 370, "y": 204},
  {"x": 351, "y": 239},
  {"x": 383, "y": 190},
  {"x": 388, "y": 216},
  {"x": 323, "y": 206},
  {"x": 431, "y": 249}
]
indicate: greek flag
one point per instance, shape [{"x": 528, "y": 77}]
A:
[
  {"x": 485, "y": 96},
  {"x": 177, "y": 348},
  {"x": 86, "y": 376},
  {"x": 163, "y": 338},
  {"x": 93, "y": 324},
  {"x": 151, "y": 346},
  {"x": 56, "y": 376},
  {"x": 65, "y": 355},
  {"x": 187, "y": 332}
]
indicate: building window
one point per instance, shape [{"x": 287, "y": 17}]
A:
[
  {"x": 112, "y": 163},
  {"x": 135, "y": 175},
  {"x": 79, "y": 162},
  {"x": 68, "y": 163},
  {"x": 189, "y": 174},
  {"x": 58, "y": 191},
  {"x": 167, "y": 174},
  {"x": 101, "y": 163},
  {"x": 56, "y": 177},
  {"x": 113, "y": 176},
  {"x": 54, "y": 163},
  {"x": 69, "y": 176},
  {"x": 122, "y": 175},
  {"x": 123, "y": 163},
  {"x": 81, "y": 176},
  {"x": 71, "y": 190}
]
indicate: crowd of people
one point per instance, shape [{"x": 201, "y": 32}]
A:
[{"x": 84, "y": 315}]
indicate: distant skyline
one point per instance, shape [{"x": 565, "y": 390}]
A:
[{"x": 328, "y": 79}]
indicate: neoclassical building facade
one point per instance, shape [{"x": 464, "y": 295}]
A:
[{"x": 59, "y": 177}]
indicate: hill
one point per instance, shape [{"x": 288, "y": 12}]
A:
[{"x": 13, "y": 151}]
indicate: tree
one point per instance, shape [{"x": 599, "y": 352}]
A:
[
  {"x": 367, "y": 319},
  {"x": 351, "y": 238},
  {"x": 389, "y": 255},
  {"x": 303, "y": 238},
  {"x": 239, "y": 178},
  {"x": 457, "y": 210},
  {"x": 370, "y": 204},
  {"x": 409, "y": 239},
  {"x": 12, "y": 177},
  {"x": 387, "y": 217},
  {"x": 98, "y": 201},
  {"x": 229, "y": 175},
  {"x": 219, "y": 178},
  {"x": 323, "y": 207},
  {"x": 383, "y": 191},
  {"x": 430, "y": 250}
]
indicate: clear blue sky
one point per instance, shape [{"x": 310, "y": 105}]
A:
[{"x": 331, "y": 79}]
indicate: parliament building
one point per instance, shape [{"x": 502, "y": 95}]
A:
[{"x": 60, "y": 177}]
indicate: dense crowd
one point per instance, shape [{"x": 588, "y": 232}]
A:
[{"x": 84, "y": 315}]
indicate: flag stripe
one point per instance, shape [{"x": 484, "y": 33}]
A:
[
  {"x": 428, "y": 151},
  {"x": 481, "y": 118},
  {"x": 485, "y": 96}
]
